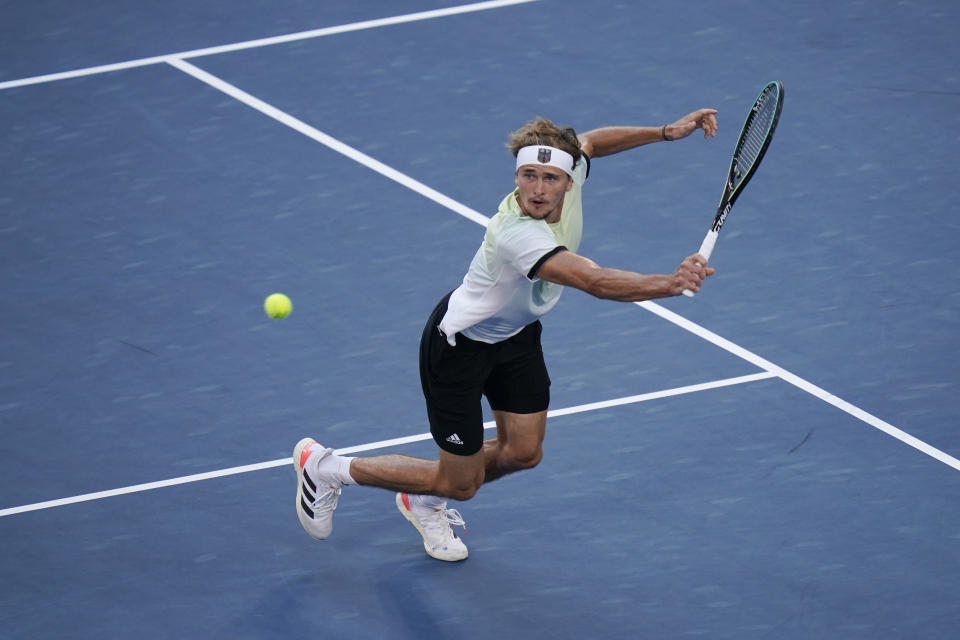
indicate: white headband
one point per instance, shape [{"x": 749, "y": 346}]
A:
[{"x": 544, "y": 155}]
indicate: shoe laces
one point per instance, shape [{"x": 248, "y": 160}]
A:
[
  {"x": 326, "y": 501},
  {"x": 444, "y": 520}
]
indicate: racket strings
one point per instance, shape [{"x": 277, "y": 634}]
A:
[{"x": 754, "y": 135}]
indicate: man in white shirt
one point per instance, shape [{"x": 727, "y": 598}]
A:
[{"x": 483, "y": 339}]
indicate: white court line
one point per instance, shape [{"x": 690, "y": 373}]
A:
[
  {"x": 232, "y": 471},
  {"x": 263, "y": 42},
  {"x": 328, "y": 141},
  {"x": 799, "y": 382},
  {"x": 455, "y": 206},
  {"x": 677, "y": 319}
]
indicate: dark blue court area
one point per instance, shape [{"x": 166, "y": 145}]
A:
[{"x": 776, "y": 458}]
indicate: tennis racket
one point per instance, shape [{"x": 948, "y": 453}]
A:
[{"x": 755, "y": 137}]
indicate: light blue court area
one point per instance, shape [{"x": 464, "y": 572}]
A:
[{"x": 775, "y": 458}]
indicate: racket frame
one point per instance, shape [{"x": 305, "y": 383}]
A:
[{"x": 732, "y": 191}]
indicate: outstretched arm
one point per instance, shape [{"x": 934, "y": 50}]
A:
[
  {"x": 606, "y": 141},
  {"x": 568, "y": 268}
]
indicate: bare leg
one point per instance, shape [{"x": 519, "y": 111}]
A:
[
  {"x": 451, "y": 476},
  {"x": 518, "y": 445}
]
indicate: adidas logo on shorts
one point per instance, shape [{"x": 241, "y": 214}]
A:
[{"x": 455, "y": 439}]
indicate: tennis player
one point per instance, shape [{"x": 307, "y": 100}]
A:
[{"x": 483, "y": 339}]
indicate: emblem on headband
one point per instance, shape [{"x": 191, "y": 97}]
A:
[{"x": 543, "y": 156}]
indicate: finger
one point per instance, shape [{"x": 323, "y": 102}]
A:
[
  {"x": 710, "y": 125},
  {"x": 694, "y": 273}
]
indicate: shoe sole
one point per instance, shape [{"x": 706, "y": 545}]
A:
[
  {"x": 305, "y": 520},
  {"x": 409, "y": 516}
]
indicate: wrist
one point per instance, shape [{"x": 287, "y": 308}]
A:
[{"x": 663, "y": 134}]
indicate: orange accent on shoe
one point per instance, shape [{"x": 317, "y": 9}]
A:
[
  {"x": 306, "y": 453},
  {"x": 406, "y": 501}
]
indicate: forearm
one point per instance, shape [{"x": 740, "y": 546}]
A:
[
  {"x": 606, "y": 283},
  {"x": 627, "y": 286},
  {"x": 607, "y": 141},
  {"x": 570, "y": 269}
]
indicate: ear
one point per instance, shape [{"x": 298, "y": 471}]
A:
[{"x": 569, "y": 183}]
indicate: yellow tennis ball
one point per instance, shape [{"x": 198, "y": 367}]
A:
[{"x": 278, "y": 305}]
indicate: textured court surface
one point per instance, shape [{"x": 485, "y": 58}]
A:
[{"x": 798, "y": 477}]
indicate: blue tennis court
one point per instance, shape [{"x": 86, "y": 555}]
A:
[{"x": 775, "y": 458}]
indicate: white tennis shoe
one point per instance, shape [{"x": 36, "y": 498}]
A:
[
  {"x": 318, "y": 493},
  {"x": 436, "y": 528}
]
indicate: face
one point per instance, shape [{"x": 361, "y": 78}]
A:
[{"x": 542, "y": 190}]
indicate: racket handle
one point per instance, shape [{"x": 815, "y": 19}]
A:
[{"x": 706, "y": 248}]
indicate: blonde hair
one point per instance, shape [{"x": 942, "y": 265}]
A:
[{"x": 543, "y": 131}]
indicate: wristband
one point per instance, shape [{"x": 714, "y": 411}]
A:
[{"x": 663, "y": 133}]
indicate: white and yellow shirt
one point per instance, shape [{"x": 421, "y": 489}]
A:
[{"x": 498, "y": 297}]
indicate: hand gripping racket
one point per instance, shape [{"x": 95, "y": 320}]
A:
[{"x": 755, "y": 137}]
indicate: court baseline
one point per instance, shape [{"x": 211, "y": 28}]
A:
[{"x": 263, "y": 42}]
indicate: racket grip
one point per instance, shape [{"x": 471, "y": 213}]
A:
[{"x": 706, "y": 248}]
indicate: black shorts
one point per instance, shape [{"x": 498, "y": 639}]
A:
[{"x": 511, "y": 373}]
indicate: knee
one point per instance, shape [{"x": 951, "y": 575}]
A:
[
  {"x": 463, "y": 493},
  {"x": 526, "y": 458},
  {"x": 460, "y": 489}
]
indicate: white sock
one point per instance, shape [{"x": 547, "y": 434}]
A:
[
  {"x": 431, "y": 502},
  {"x": 339, "y": 467},
  {"x": 343, "y": 470}
]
